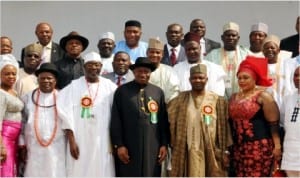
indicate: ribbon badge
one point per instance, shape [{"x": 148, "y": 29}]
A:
[
  {"x": 153, "y": 108},
  {"x": 207, "y": 110},
  {"x": 86, "y": 105}
]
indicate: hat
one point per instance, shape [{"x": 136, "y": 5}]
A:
[
  {"x": 231, "y": 26},
  {"x": 107, "y": 35},
  {"x": 47, "y": 67},
  {"x": 134, "y": 23},
  {"x": 92, "y": 56},
  {"x": 271, "y": 38},
  {"x": 8, "y": 59},
  {"x": 261, "y": 27},
  {"x": 199, "y": 68},
  {"x": 73, "y": 35},
  {"x": 155, "y": 43},
  {"x": 257, "y": 66},
  {"x": 191, "y": 36},
  {"x": 35, "y": 47},
  {"x": 143, "y": 62}
]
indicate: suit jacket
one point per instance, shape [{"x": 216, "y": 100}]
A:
[
  {"x": 111, "y": 76},
  {"x": 210, "y": 45},
  {"x": 166, "y": 58},
  {"x": 57, "y": 53},
  {"x": 290, "y": 44}
]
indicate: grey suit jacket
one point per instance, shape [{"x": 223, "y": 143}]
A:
[
  {"x": 210, "y": 45},
  {"x": 111, "y": 76},
  {"x": 166, "y": 58},
  {"x": 57, "y": 53}
]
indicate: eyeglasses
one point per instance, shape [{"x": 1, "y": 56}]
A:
[{"x": 32, "y": 56}]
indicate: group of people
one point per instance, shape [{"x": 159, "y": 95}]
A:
[{"x": 187, "y": 108}]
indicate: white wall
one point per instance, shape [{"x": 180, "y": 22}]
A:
[{"x": 91, "y": 18}]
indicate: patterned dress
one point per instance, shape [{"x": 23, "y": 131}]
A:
[{"x": 253, "y": 144}]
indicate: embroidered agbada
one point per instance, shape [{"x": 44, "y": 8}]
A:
[
  {"x": 42, "y": 161},
  {"x": 203, "y": 156},
  {"x": 91, "y": 134},
  {"x": 10, "y": 127}
]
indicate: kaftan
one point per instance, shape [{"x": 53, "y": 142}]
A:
[
  {"x": 91, "y": 134},
  {"x": 43, "y": 161}
]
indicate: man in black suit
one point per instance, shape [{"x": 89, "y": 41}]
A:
[
  {"x": 174, "y": 36},
  {"x": 291, "y": 43},
  {"x": 52, "y": 52},
  {"x": 198, "y": 26}
]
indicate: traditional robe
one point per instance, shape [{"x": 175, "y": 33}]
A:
[
  {"x": 215, "y": 144},
  {"x": 91, "y": 133},
  {"x": 132, "y": 127},
  {"x": 43, "y": 161}
]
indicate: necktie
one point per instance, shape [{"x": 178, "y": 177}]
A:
[
  {"x": 173, "y": 57},
  {"x": 119, "y": 80}
]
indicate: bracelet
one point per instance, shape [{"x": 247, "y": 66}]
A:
[
  {"x": 277, "y": 146},
  {"x": 227, "y": 152}
]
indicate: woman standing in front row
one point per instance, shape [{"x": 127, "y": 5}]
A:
[
  {"x": 255, "y": 120},
  {"x": 10, "y": 115},
  {"x": 291, "y": 119}
]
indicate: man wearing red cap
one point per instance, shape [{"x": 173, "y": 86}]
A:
[{"x": 215, "y": 73}]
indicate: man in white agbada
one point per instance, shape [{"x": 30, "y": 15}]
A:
[
  {"x": 85, "y": 107},
  {"x": 43, "y": 136},
  {"x": 216, "y": 74},
  {"x": 164, "y": 76}
]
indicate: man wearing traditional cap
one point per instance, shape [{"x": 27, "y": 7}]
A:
[
  {"x": 139, "y": 126},
  {"x": 229, "y": 56},
  {"x": 291, "y": 43},
  {"x": 70, "y": 67},
  {"x": 200, "y": 132},
  {"x": 198, "y": 26},
  {"x": 173, "y": 50},
  {"x": 32, "y": 59},
  {"x": 121, "y": 73},
  {"x": 85, "y": 108},
  {"x": 216, "y": 74},
  {"x": 52, "y": 51},
  {"x": 164, "y": 76},
  {"x": 106, "y": 45},
  {"x": 132, "y": 44},
  {"x": 259, "y": 32},
  {"x": 42, "y": 134}
]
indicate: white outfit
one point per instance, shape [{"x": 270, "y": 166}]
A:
[
  {"x": 43, "y": 161},
  {"x": 91, "y": 134},
  {"x": 289, "y": 68},
  {"x": 25, "y": 83},
  {"x": 107, "y": 65},
  {"x": 165, "y": 77},
  {"x": 215, "y": 73},
  {"x": 291, "y": 143}
]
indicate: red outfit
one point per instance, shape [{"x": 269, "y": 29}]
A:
[{"x": 253, "y": 144}]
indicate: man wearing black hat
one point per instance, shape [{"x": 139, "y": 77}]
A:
[
  {"x": 132, "y": 44},
  {"x": 70, "y": 67},
  {"x": 139, "y": 124},
  {"x": 42, "y": 134}
]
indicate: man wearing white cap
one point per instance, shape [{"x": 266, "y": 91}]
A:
[
  {"x": 229, "y": 56},
  {"x": 259, "y": 32},
  {"x": 85, "y": 108},
  {"x": 106, "y": 45}
]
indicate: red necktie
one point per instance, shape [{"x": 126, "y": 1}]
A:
[
  {"x": 173, "y": 57},
  {"x": 119, "y": 80}
]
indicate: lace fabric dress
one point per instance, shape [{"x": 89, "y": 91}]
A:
[{"x": 253, "y": 144}]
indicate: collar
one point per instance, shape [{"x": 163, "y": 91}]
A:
[
  {"x": 48, "y": 46},
  {"x": 170, "y": 47}
]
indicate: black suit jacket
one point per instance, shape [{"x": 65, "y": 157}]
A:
[
  {"x": 290, "y": 44},
  {"x": 210, "y": 45},
  {"x": 57, "y": 53},
  {"x": 166, "y": 58}
]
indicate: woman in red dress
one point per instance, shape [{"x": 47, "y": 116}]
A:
[{"x": 255, "y": 119}]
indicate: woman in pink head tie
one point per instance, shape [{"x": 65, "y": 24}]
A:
[
  {"x": 10, "y": 115},
  {"x": 255, "y": 120}
]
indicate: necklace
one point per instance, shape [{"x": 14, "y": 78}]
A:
[
  {"x": 88, "y": 87},
  {"x": 37, "y": 104},
  {"x": 36, "y": 113}
]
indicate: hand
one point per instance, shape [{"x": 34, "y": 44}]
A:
[
  {"x": 162, "y": 154},
  {"x": 123, "y": 154},
  {"x": 226, "y": 160},
  {"x": 277, "y": 154},
  {"x": 22, "y": 153},
  {"x": 2, "y": 153},
  {"x": 74, "y": 149}
]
